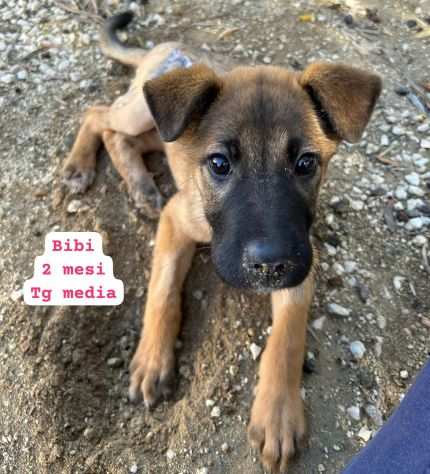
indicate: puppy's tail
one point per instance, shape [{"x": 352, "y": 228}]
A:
[{"x": 113, "y": 47}]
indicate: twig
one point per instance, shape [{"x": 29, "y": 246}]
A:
[
  {"x": 425, "y": 258},
  {"x": 387, "y": 161}
]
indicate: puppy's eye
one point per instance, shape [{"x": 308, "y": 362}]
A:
[
  {"x": 219, "y": 165},
  {"x": 307, "y": 164}
]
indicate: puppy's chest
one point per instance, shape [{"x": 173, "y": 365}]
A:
[{"x": 177, "y": 59}]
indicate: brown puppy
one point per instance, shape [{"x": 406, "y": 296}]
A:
[{"x": 248, "y": 150}]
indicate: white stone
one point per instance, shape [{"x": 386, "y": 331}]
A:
[
  {"x": 350, "y": 266},
  {"x": 330, "y": 249},
  {"x": 413, "y": 178},
  {"x": 170, "y": 454},
  {"x": 74, "y": 206},
  {"x": 22, "y": 75},
  {"x": 7, "y": 78},
  {"x": 425, "y": 144},
  {"x": 215, "y": 412},
  {"x": 365, "y": 434},
  {"x": 398, "y": 131},
  {"x": 423, "y": 128},
  {"x": 384, "y": 140},
  {"x": 416, "y": 191},
  {"x": 404, "y": 374},
  {"x": 75, "y": 76},
  {"x": 357, "y": 205},
  {"x": 422, "y": 163},
  {"x": 16, "y": 295},
  {"x": 338, "y": 269},
  {"x": 398, "y": 282},
  {"x": 357, "y": 349},
  {"x": 400, "y": 193},
  {"x": 418, "y": 223},
  {"x": 381, "y": 321},
  {"x": 133, "y": 468},
  {"x": 319, "y": 323},
  {"x": 210, "y": 403},
  {"x": 338, "y": 310},
  {"x": 412, "y": 204},
  {"x": 255, "y": 350},
  {"x": 354, "y": 413},
  {"x": 419, "y": 240}
]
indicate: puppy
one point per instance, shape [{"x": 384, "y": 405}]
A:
[{"x": 248, "y": 148}]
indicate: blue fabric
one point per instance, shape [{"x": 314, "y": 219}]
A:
[{"x": 402, "y": 446}]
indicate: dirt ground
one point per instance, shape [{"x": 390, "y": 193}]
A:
[{"x": 63, "y": 370}]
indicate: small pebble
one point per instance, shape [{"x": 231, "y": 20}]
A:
[
  {"x": 415, "y": 191},
  {"x": 7, "y": 78},
  {"x": 398, "y": 131},
  {"x": 16, "y": 295},
  {"x": 365, "y": 434},
  {"x": 384, "y": 140},
  {"x": 398, "y": 282},
  {"x": 319, "y": 323},
  {"x": 425, "y": 144},
  {"x": 400, "y": 193},
  {"x": 338, "y": 310},
  {"x": 114, "y": 362},
  {"x": 215, "y": 412},
  {"x": 357, "y": 349},
  {"x": 404, "y": 374},
  {"x": 354, "y": 413},
  {"x": 22, "y": 75},
  {"x": 413, "y": 178},
  {"x": 418, "y": 223},
  {"x": 373, "y": 413},
  {"x": 419, "y": 240},
  {"x": 133, "y": 468},
  {"x": 76, "y": 206},
  {"x": 255, "y": 351},
  {"x": 381, "y": 321},
  {"x": 170, "y": 454}
]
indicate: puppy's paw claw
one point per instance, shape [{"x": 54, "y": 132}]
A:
[
  {"x": 78, "y": 180},
  {"x": 147, "y": 198}
]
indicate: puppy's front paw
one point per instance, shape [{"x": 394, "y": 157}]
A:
[
  {"x": 77, "y": 178},
  {"x": 277, "y": 427},
  {"x": 152, "y": 372}
]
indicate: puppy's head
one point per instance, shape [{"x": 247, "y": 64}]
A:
[{"x": 257, "y": 143}]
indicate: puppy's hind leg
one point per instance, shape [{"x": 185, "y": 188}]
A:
[
  {"x": 126, "y": 154},
  {"x": 79, "y": 167}
]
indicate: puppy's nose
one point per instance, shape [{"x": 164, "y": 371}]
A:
[{"x": 263, "y": 256}]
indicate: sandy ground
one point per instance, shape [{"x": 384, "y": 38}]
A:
[{"x": 63, "y": 370}]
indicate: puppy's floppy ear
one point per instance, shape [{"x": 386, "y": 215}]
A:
[
  {"x": 177, "y": 98},
  {"x": 343, "y": 96}
]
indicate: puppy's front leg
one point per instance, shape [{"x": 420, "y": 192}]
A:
[
  {"x": 152, "y": 367},
  {"x": 277, "y": 419}
]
